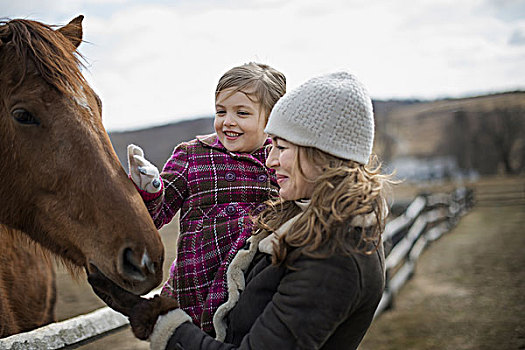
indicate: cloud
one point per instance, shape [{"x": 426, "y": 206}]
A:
[
  {"x": 507, "y": 10},
  {"x": 517, "y": 37},
  {"x": 156, "y": 61}
]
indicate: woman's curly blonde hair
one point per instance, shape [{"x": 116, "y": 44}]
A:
[{"x": 344, "y": 190}]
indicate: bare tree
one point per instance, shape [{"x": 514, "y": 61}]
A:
[
  {"x": 503, "y": 130},
  {"x": 487, "y": 141}
]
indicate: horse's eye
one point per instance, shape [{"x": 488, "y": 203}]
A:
[{"x": 24, "y": 117}]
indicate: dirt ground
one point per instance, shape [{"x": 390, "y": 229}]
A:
[
  {"x": 468, "y": 288},
  {"x": 467, "y": 291}
]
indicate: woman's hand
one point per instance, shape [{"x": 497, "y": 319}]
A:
[{"x": 142, "y": 312}]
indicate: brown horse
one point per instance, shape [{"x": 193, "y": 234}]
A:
[{"x": 61, "y": 183}]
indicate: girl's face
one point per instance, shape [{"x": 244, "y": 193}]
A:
[
  {"x": 239, "y": 122},
  {"x": 282, "y": 159}
]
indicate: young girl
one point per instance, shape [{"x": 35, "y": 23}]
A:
[
  {"x": 216, "y": 181},
  {"x": 313, "y": 273}
]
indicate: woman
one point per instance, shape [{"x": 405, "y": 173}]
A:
[{"x": 312, "y": 274}]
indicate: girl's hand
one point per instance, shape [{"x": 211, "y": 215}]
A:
[
  {"x": 144, "y": 174},
  {"x": 142, "y": 312}
]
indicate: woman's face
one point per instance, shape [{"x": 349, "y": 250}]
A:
[{"x": 282, "y": 159}]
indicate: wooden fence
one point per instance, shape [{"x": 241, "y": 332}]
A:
[{"x": 426, "y": 219}]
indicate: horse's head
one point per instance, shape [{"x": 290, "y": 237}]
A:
[{"x": 61, "y": 182}]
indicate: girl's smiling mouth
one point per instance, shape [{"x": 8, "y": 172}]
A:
[{"x": 232, "y": 134}]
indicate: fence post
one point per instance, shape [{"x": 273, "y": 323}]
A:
[{"x": 422, "y": 223}]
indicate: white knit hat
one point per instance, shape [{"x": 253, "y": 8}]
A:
[{"x": 332, "y": 112}]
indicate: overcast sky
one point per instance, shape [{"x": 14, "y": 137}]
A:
[{"x": 158, "y": 61}]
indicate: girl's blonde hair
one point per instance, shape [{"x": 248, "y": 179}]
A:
[
  {"x": 268, "y": 83},
  {"x": 344, "y": 190}
]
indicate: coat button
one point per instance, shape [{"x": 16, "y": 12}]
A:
[
  {"x": 259, "y": 208},
  {"x": 262, "y": 178},
  {"x": 230, "y": 176},
  {"x": 230, "y": 209}
]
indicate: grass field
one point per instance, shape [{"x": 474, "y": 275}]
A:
[{"x": 467, "y": 291}]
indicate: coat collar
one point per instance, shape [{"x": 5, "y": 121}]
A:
[
  {"x": 266, "y": 244},
  {"x": 212, "y": 140}
]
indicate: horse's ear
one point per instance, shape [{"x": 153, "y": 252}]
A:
[{"x": 73, "y": 30}]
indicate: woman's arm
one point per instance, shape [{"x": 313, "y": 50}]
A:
[{"x": 311, "y": 302}]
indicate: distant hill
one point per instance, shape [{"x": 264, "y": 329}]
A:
[
  {"x": 418, "y": 128},
  {"x": 158, "y": 142},
  {"x": 404, "y": 128}
]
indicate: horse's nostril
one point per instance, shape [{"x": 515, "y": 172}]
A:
[{"x": 131, "y": 267}]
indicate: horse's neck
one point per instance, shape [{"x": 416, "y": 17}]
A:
[
  {"x": 15, "y": 242},
  {"x": 12, "y": 237},
  {"x": 27, "y": 284}
]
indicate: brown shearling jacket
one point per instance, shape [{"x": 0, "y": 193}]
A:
[{"x": 316, "y": 304}]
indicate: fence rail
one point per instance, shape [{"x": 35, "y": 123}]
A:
[
  {"x": 426, "y": 219},
  {"x": 71, "y": 333}
]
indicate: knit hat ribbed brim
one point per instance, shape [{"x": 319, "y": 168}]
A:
[{"x": 332, "y": 112}]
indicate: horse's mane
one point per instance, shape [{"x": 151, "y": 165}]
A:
[{"x": 55, "y": 57}]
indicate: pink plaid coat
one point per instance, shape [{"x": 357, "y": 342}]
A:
[{"x": 216, "y": 191}]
